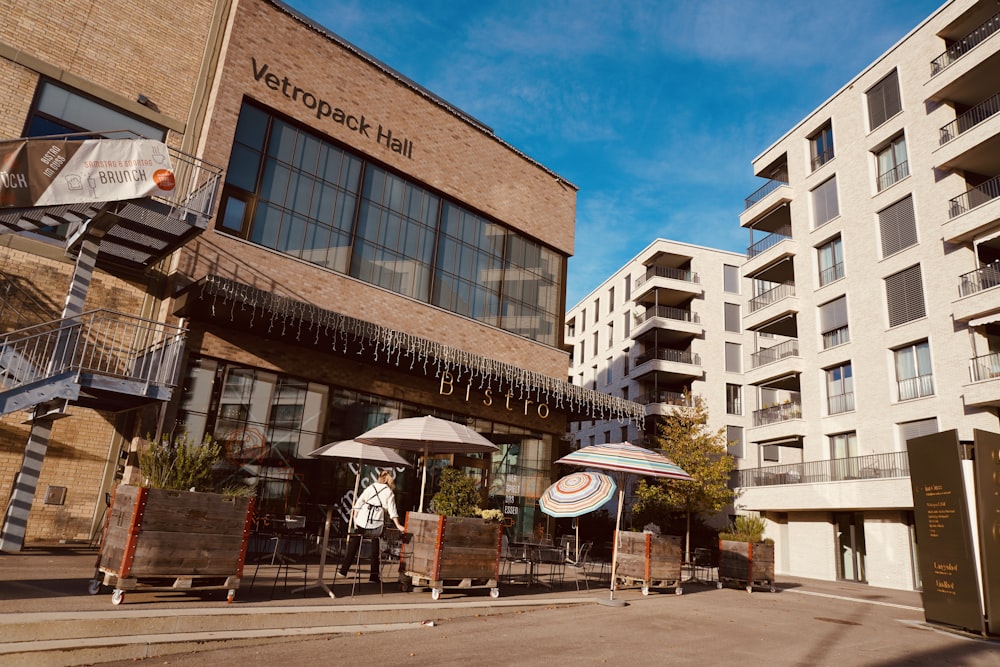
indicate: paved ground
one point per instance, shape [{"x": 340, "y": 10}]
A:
[{"x": 805, "y": 622}]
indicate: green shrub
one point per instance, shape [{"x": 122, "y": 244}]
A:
[
  {"x": 458, "y": 494},
  {"x": 180, "y": 464},
  {"x": 746, "y": 528}
]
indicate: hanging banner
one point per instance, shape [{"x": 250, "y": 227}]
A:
[{"x": 52, "y": 172}]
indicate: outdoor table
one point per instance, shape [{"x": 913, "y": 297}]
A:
[{"x": 529, "y": 553}]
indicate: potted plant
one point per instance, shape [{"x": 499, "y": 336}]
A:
[
  {"x": 745, "y": 557},
  {"x": 180, "y": 529}
]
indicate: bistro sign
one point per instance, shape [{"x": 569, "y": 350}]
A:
[
  {"x": 323, "y": 109},
  {"x": 448, "y": 385}
]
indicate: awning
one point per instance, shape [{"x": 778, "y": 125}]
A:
[{"x": 986, "y": 319}]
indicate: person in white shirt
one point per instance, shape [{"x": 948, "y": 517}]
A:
[{"x": 369, "y": 513}]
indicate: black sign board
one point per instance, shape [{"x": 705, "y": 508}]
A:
[
  {"x": 944, "y": 533},
  {"x": 988, "y": 506}
]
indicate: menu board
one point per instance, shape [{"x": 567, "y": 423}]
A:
[
  {"x": 944, "y": 536},
  {"x": 988, "y": 505}
]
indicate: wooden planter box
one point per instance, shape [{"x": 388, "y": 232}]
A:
[
  {"x": 650, "y": 561},
  {"x": 450, "y": 552},
  {"x": 746, "y": 564},
  {"x": 168, "y": 540}
]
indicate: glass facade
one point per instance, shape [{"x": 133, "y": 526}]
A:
[{"x": 290, "y": 190}]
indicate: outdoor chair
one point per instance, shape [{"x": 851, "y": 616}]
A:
[
  {"x": 555, "y": 558},
  {"x": 580, "y": 566}
]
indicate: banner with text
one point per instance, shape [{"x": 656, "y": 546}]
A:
[{"x": 51, "y": 172}]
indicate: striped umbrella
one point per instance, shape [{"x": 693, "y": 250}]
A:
[
  {"x": 624, "y": 458},
  {"x": 577, "y": 494}
]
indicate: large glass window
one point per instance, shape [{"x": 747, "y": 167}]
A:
[
  {"x": 734, "y": 399},
  {"x": 61, "y": 110},
  {"x": 821, "y": 147},
  {"x": 840, "y": 389},
  {"x": 292, "y": 191},
  {"x": 914, "y": 376},
  {"x": 833, "y": 323}
]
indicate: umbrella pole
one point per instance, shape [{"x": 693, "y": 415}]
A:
[
  {"x": 319, "y": 583},
  {"x": 357, "y": 482},
  {"x": 614, "y": 550},
  {"x": 423, "y": 481}
]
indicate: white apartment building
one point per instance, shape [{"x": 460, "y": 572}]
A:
[
  {"x": 666, "y": 323},
  {"x": 871, "y": 317},
  {"x": 871, "y": 313}
]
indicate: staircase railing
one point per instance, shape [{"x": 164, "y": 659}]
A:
[{"x": 103, "y": 342}]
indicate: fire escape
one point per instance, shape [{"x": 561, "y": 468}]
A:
[{"x": 100, "y": 359}]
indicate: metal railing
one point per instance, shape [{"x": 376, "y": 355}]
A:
[
  {"x": 974, "y": 197},
  {"x": 777, "y": 413},
  {"x": 773, "y": 295},
  {"x": 964, "y": 45},
  {"x": 981, "y": 279},
  {"x": 769, "y": 241},
  {"x": 970, "y": 119},
  {"x": 831, "y": 273},
  {"x": 985, "y": 367},
  {"x": 673, "y": 273},
  {"x": 891, "y": 465},
  {"x": 667, "y": 312},
  {"x": 666, "y": 397},
  {"x": 769, "y": 355},
  {"x": 894, "y": 175},
  {"x": 820, "y": 159},
  {"x": 668, "y": 354},
  {"x": 102, "y": 342},
  {"x": 762, "y": 192},
  {"x": 840, "y": 403},
  {"x": 916, "y": 387}
]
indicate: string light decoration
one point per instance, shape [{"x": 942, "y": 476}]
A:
[{"x": 289, "y": 317}]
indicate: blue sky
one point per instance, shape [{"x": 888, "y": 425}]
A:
[{"x": 654, "y": 109}]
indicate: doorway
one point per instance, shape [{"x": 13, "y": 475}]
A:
[{"x": 850, "y": 529}]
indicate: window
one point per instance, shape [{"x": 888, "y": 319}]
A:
[
  {"x": 627, "y": 324},
  {"x": 839, "y": 389},
  {"x": 732, "y": 317},
  {"x": 607, "y": 436},
  {"x": 583, "y": 351},
  {"x": 734, "y": 399},
  {"x": 733, "y": 352},
  {"x": 583, "y": 320},
  {"x": 626, "y": 364},
  {"x": 770, "y": 453},
  {"x": 824, "y": 202},
  {"x": 833, "y": 323},
  {"x": 844, "y": 445},
  {"x": 904, "y": 295},
  {"x": 611, "y": 333},
  {"x": 609, "y": 371},
  {"x": 60, "y": 110},
  {"x": 892, "y": 163},
  {"x": 731, "y": 279},
  {"x": 611, "y": 299},
  {"x": 883, "y": 101},
  {"x": 596, "y": 343},
  {"x": 734, "y": 437},
  {"x": 916, "y": 429},
  {"x": 292, "y": 191},
  {"x": 821, "y": 147},
  {"x": 597, "y": 310},
  {"x": 914, "y": 377},
  {"x": 571, "y": 329},
  {"x": 831, "y": 261},
  {"x": 623, "y": 434},
  {"x": 897, "y": 226}
]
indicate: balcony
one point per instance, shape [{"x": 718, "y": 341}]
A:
[
  {"x": 670, "y": 272},
  {"x": 667, "y": 324},
  {"x": 974, "y": 197},
  {"x": 970, "y": 119},
  {"x": 774, "y": 238},
  {"x": 985, "y": 367},
  {"x": 666, "y": 285},
  {"x": 770, "y": 355},
  {"x": 661, "y": 403},
  {"x": 894, "y": 175},
  {"x": 839, "y": 403},
  {"x": 762, "y": 192},
  {"x": 775, "y": 414},
  {"x": 962, "y": 46},
  {"x": 872, "y": 466},
  {"x": 668, "y": 365},
  {"x": 984, "y": 391},
  {"x": 771, "y": 296}
]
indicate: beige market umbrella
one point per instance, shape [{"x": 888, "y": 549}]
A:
[
  {"x": 360, "y": 453},
  {"x": 427, "y": 435}
]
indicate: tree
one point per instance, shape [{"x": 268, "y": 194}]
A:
[
  {"x": 685, "y": 439},
  {"x": 458, "y": 494}
]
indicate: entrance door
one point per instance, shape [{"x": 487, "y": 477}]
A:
[{"x": 850, "y": 527}]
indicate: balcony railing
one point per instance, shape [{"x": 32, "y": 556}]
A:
[
  {"x": 667, "y": 272},
  {"x": 981, "y": 279},
  {"x": 974, "y": 197},
  {"x": 964, "y": 45},
  {"x": 831, "y": 273},
  {"x": 970, "y": 119},
  {"x": 769, "y": 355},
  {"x": 897, "y": 173},
  {"x": 891, "y": 465},
  {"x": 916, "y": 387},
  {"x": 985, "y": 367},
  {"x": 820, "y": 159},
  {"x": 667, "y": 312},
  {"x": 762, "y": 192},
  {"x": 666, "y": 397},
  {"x": 769, "y": 241},
  {"x": 668, "y": 354},
  {"x": 777, "y": 413},
  {"x": 840, "y": 403},
  {"x": 773, "y": 295}
]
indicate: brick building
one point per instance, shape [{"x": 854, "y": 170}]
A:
[{"x": 372, "y": 253}]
